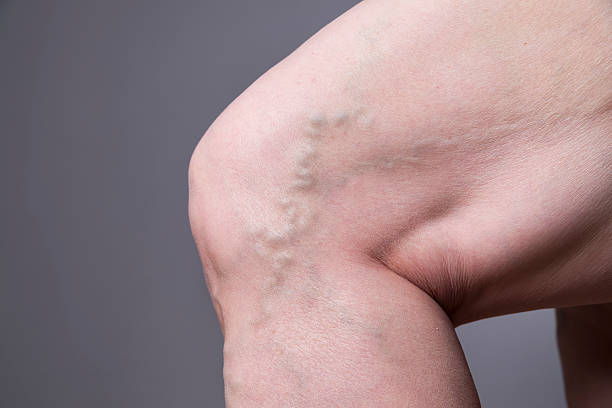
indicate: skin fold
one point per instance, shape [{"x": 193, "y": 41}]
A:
[{"x": 414, "y": 166}]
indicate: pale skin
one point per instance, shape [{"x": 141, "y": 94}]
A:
[{"x": 414, "y": 166}]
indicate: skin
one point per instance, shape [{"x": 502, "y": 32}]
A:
[
  {"x": 412, "y": 167},
  {"x": 585, "y": 335}
]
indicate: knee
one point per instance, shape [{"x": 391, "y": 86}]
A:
[
  {"x": 268, "y": 197},
  {"x": 223, "y": 177},
  {"x": 252, "y": 208}
]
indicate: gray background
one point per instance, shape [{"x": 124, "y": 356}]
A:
[{"x": 102, "y": 301}]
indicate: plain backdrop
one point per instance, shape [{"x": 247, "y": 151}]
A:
[{"x": 102, "y": 299}]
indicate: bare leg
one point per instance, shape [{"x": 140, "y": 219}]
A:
[
  {"x": 336, "y": 334},
  {"x": 585, "y": 343},
  {"x": 414, "y": 166}
]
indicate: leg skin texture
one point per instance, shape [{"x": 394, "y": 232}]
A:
[{"x": 413, "y": 166}]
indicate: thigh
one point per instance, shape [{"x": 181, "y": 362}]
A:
[{"x": 466, "y": 149}]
